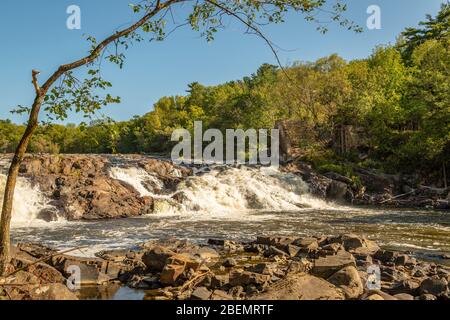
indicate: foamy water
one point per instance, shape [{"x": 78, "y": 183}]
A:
[
  {"x": 226, "y": 192},
  {"x": 28, "y": 203},
  {"x": 234, "y": 203}
]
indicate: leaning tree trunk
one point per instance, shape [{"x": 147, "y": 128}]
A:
[
  {"x": 12, "y": 179},
  {"x": 5, "y": 222}
]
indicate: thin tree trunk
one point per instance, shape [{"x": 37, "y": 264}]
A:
[{"x": 5, "y": 222}]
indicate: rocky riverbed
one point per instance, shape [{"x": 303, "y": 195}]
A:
[
  {"x": 92, "y": 187},
  {"x": 269, "y": 268}
]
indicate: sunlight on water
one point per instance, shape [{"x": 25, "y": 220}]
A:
[{"x": 228, "y": 203}]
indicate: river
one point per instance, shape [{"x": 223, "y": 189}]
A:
[{"x": 232, "y": 203}]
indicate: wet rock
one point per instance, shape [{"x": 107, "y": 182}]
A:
[
  {"x": 349, "y": 281},
  {"x": 326, "y": 266},
  {"x": 48, "y": 215},
  {"x": 336, "y": 191},
  {"x": 436, "y": 287},
  {"x": 301, "y": 287}
]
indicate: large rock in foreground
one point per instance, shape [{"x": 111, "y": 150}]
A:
[{"x": 301, "y": 287}]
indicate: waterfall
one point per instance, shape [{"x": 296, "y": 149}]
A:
[
  {"x": 28, "y": 203},
  {"x": 226, "y": 190}
]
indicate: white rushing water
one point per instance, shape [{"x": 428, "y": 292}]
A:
[
  {"x": 28, "y": 202},
  {"x": 225, "y": 192},
  {"x": 233, "y": 203}
]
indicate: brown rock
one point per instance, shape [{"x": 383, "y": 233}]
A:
[
  {"x": 244, "y": 278},
  {"x": 326, "y": 266},
  {"x": 349, "y": 281},
  {"x": 301, "y": 287},
  {"x": 171, "y": 273},
  {"x": 155, "y": 259}
]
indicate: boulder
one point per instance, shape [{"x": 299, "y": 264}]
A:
[
  {"x": 54, "y": 291},
  {"x": 201, "y": 293},
  {"x": 325, "y": 267},
  {"x": 273, "y": 241},
  {"x": 349, "y": 281},
  {"x": 434, "y": 286},
  {"x": 337, "y": 190},
  {"x": 94, "y": 271},
  {"x": 171, "y": 273},
  {"x": 156, "y": 258},
  {"x": 356, "y": 244},
  {"x": 244, "y": 278},
  {"x": 299, "y": 266},
  {"x": 301, "y": 287},
  {"x": 262, "y": 268},
  {"x": 386, "y": 256}
]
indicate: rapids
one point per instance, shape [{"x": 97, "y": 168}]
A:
[{"x": 227, "y": 202}]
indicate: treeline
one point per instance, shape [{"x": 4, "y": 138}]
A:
[{"x": 399, "y": 96}]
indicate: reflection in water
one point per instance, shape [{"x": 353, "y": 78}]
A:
[{"x": 110, "y": 292}]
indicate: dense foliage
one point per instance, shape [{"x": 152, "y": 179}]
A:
[{"x": 399, "y": 96}]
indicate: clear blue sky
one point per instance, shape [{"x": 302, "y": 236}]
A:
[{"x": 34, "y": 36}]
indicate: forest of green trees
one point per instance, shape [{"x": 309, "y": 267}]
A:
[{"x": 400, "y": 97}]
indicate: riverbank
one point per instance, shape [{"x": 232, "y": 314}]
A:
[{"x": 269, "y": 268}]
